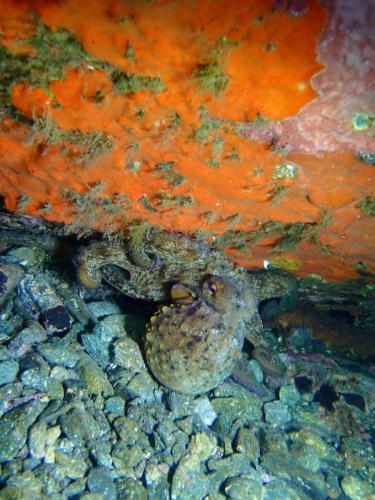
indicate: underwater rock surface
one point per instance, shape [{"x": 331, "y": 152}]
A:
[{"x": 87, "y": 417}]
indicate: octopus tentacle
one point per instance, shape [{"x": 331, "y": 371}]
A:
[{"x": 100, "y": 260}]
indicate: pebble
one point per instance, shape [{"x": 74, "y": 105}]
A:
[
  {"x": 96, "y": 348},
  {"x": 95, "y": 378},
  {"x": 59, "y": 354},
  {"x": 355, "y": 488},
  {"x": 280, "y": 489},
  {"x": 100, "y": 481},
  {"x": 246, "y": 442},
  {"x": 247, "y": 409},
  {"x": 23, "y": 342},
  {"x": 14, "y": 427},
  {"x": 127, "y": 354},
  {"x": 277, "y": 413},
  {"x": 8, "y": 372},
  {"x": 79, "y": 425},
  {"x": 289, "y": 394},
  {"x": 110, "y": 327},
  {"x": 10, "y": 276},
  {"x": 101, "y": 453},
  {"x": 115, "y": 405},
  {"x": 74, "y": 467},
  {"x": 189, "y": 482},
  {"x": 100, "y": 308},
  {"x": 204, "y": 409},
  {"x": 132, "y": 489},
  {"x": 243, "y": 487},
  {"x": 143, "y": 386}
]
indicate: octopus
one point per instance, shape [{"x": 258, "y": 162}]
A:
[{"x": 208, "y": 304}]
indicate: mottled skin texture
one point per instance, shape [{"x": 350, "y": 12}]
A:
[
  {"x": 192, "y": 347},
  {"x": 193, "y": 343}
]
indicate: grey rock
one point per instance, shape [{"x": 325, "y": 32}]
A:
[
  {"x": 128, "y": 355},
  {"x": 277, "y": 413},
  {"x": 143, "y": 386},
  {"x": 26, "y": 339},
  {"x": 35, "y": 378},
  {"x": 10, "y": 276},
  {"x": 115, "y": 405},
  {"x": 100, "y": 308},
  {"x": 100, "y": 481},
  {"x": 23, "y": 485},
  {"x": 247, "y": 443},
  {"x": 189, "y": 482},
  {"x": 131, "y": 488},
  {"x": 110, "y": 327},
  {"x": 8, "y": 372},
  {"x": 42, "y": 441},
  {"x": 156, "y": 477},
  {"x": 7, "y": 393},
  {"x": 230, "y": 466},
  {"x": 101, "y": 452},
  {"x": 95, "y": 378},
  {"x": 76, "y": 488},
  {"x": 289, "y": 395},
  {"x": 205, "y": 411},
  {"x": 129, "y": 431},
  {"x": 239, "y": 488},
  {"x": 74, "y": 467},
  {"x": 96, "y": 348},
  {"x": 356, "y": 488},
  {"x": 286, "y": 467},
  {"x": 14, "y": 426},
  {"x": 79, "y": 425},
  {"x": 60, "y": 354},
  {"x": 30, "y": 257},
  {"x": 275, "y": 490}
]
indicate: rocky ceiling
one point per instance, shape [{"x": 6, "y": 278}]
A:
[{"x": 247, "y": 123}]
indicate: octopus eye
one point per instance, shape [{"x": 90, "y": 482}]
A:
[
  {"x": 213, "y": 286},
  {"x": 212, "y": 289}
]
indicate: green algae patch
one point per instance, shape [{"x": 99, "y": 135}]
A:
[
  {"x": 285, "y": 171},
  {"x": 288, "y": 264},
  {"x": 13, "y": 68},
  {"x": 290, "y": 235},
  {"x": 130, "y": 83},
  {"x": 211, "y": 78},
  {"x": 173, "y": 177},
  {"x": 91, "y": 205},
  {"x": 237, "y": 239},
  {"x": 366, "y": 157},
  {"x": 165, "y": 200},
  {"x": 367, "y": 205},
  {"x": 362, "y": 121},
  {"x": 92, "y": 144},
  {"x": 207, "y": 126},
  {"x": 277, "y": 193},
  {"x": 55, "y": 52}
]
